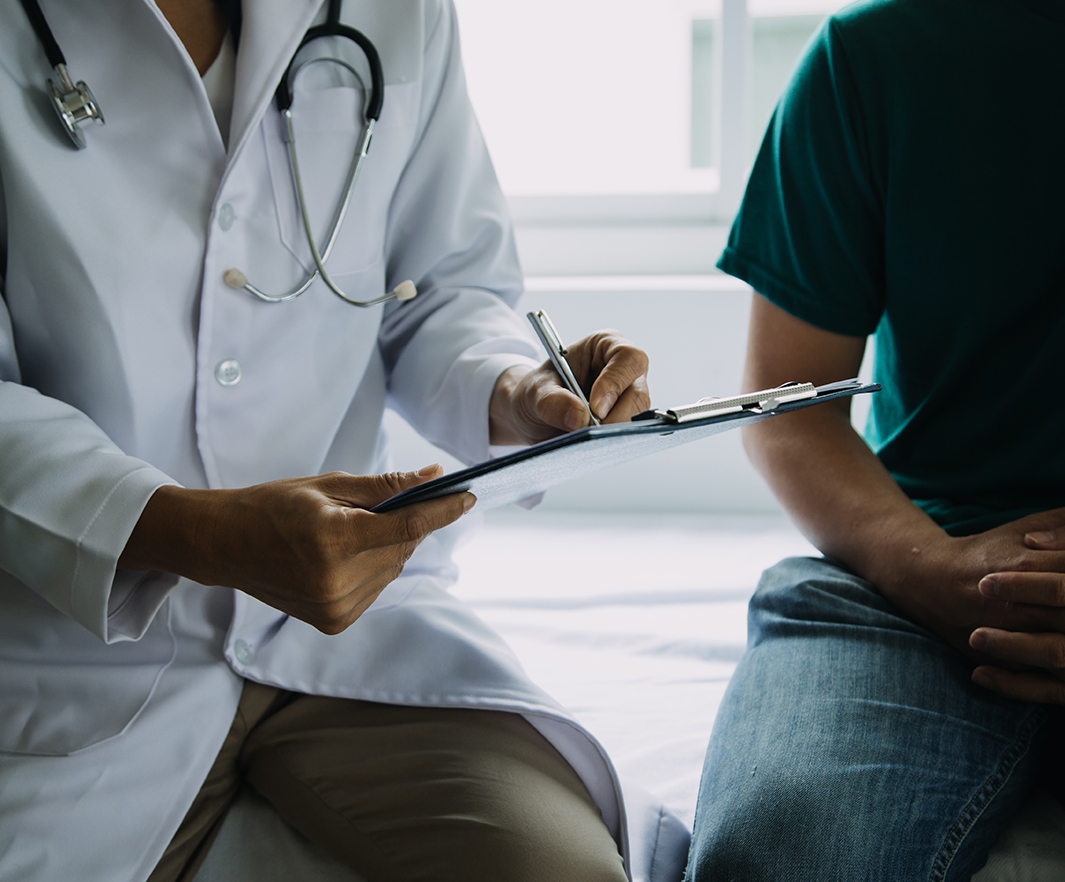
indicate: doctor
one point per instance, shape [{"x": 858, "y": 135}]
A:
[{"x": 191, "y": 590}]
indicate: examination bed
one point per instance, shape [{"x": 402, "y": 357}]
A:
[{"x": 636, "y": 624}]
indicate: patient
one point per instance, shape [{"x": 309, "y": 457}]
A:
[{"x": 898, "y": 698}]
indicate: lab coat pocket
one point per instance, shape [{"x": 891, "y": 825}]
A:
[
  {"x": 62, "y": 689},
  {"x": 328, "y": 124}
]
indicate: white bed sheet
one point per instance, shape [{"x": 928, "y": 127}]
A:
[{"x": 634, "y": 622}]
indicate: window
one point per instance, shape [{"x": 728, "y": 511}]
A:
[
  {"x": 608, "y": 102},
  {"x": 777, "y": 42},
  {"x": 704, "y": 97},
  {"x": 584, "y": 96}
]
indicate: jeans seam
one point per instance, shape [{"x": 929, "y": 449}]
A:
[{"x": 983, "y": 797}]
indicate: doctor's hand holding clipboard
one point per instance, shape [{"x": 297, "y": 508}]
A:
[{"x": 310, "y": 548}]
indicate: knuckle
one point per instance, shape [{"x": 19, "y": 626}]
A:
[
  {"x": 620, "y": 348},
  {"x": 416, "y": 526},
  {"x": 326, "y": 590},
  {"x": 602, "y": 339},
  {"x": 393, "y": 481},
  {"x": 1024, "y": 564},
  {"x": 639, "y": 358},
  {"x": 335, "y": 617},
  {"x": 332, "y": 627},
  {"x": 333, "y": 481}
]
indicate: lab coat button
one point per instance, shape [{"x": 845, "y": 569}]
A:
[
  {"x": 228, "y": 372},
  {"x": 244, "y": 653},
  {"x": 225, "y": 216}
]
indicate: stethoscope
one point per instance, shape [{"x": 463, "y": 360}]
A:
[{"x": 75, "y": 105}]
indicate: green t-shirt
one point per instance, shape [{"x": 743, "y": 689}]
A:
[{"x": 912, "y": 184}]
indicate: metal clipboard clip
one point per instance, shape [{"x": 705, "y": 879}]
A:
[{"x": 763, "y": 401}]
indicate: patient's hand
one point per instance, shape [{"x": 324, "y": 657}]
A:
[
  {"x": 937, "y": 585},
  {"x": 1030, "y": 661},
  {"x": 949, "y": 586}
]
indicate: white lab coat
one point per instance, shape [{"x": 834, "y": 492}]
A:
[{"x": 117, "y": 688}]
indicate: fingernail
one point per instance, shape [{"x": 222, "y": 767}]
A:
[
  {"x": 469, "y": 502},
  {"x": 990, "y": 587},
  {"x": 980, "y": 678},
  {"x": 425, "y": 471},
  {"x": 1041, "y": 536},
  {"x": 978, "y": 640},
  {"x": 574, "y": 419}
]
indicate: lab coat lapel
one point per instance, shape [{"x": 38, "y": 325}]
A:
[{"x": 270, "y": 32}]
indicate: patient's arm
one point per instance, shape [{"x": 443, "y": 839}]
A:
[
  {"x": 847, "y": 504},
  {"x": 831, "y": 483}
]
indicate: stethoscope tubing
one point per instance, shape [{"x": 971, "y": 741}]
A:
[
  {"x": 342, "y": 209},
  {"x": 44, "y": 33},
  {"x": 75, "y": 104},
  {"x": 371, "y": 113},
  {"x": 284, "y": 94}
]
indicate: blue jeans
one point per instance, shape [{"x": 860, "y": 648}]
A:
[{"x": 852, "y": 745}]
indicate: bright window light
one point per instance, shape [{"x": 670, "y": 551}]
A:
[
  {"x": 585, "y": 96},
  {"x": 704, "y": 93},
  {"x": 595, "y": 97}
]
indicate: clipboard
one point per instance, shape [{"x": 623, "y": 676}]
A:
[{"x": 535, "y": 469}]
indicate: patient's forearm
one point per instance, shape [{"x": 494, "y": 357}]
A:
[
  {"x": 831, "y": 483},
  {"x": 840, "y": 495},
  {"x": 849, "y": 506}
]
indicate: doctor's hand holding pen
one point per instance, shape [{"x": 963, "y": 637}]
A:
[{"x": 530, "y": 405}]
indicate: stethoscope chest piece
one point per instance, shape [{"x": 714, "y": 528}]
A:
[{"x": 74, "y": 104}]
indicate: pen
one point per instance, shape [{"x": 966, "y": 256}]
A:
[{"x": 557, "y": 352}]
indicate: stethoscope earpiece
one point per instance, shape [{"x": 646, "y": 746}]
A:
[{"x": 74, "y": 104}]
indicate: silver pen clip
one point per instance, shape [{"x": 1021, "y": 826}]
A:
[{"x": 557, "y": 353}]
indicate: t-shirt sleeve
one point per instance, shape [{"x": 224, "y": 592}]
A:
[{"x": 809, "y": 235}]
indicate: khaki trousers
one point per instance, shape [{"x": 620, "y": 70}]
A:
[{"x": 404, "y": 793}]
